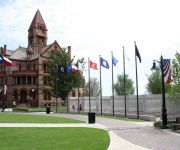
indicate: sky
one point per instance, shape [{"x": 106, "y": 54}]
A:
[{"x": 97, "y": 27}]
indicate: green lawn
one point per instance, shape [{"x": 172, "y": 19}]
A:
[
  {"x": 53, "y": 139},
  {"x": 27, "y": 118}
]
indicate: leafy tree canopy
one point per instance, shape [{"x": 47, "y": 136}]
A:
[
  {"x": 94, "y": 87},
  {"x": 174, "y": 91},
  {"x": 119, "y": 86},
  {"x": 63, "y": 82}
]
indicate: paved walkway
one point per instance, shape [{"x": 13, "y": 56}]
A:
[
  {"x": 124, "y": 135},
  {"x": 134, "y": 135}
]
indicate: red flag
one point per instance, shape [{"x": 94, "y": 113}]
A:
[{"x": 93, "y": 65}]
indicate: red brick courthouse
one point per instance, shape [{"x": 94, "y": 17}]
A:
[{"x": 25, "y": 80}]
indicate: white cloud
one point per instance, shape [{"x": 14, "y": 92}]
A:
[{"x": 94, "y": 27}]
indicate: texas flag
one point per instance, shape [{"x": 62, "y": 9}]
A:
[
  {"x": 5, "y": 61},
  {"x": 74, "y": 68}
]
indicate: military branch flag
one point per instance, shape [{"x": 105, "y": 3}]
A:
[
  {"x": 167, "y": 71},
  {"x": 104, "y": 63},
  {"x": 137, "y": 53},
  {"x": 114, "y": 61},
  {"x": 93, "y": 65}
]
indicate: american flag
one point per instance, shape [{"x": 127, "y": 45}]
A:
[{"x": 167, "y": 71}]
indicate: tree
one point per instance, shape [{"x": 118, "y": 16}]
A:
[
  {"x": 94, "y": 87},
  {"x": 154, "y": 85},
  {"x": 63, "y": 82},
  {"x": 119, "y": 86},
  {"x": 174, "y": 91}
]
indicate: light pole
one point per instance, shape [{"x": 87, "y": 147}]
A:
[
  {"x": 56, "y": 93},
  {"x": 164, "y": 114},
  {"x": 33, "y": 97}
]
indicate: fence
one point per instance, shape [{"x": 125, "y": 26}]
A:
[{"x": 148, "y": 105}]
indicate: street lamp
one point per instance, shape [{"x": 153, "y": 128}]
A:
[
  {"x": 164, "y": 114},
  {"x": 33, "y": 97}
]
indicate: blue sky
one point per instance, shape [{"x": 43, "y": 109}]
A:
[{"x": 97, "y": 27}]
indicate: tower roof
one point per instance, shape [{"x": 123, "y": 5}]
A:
[{"x": 38, "y": 20}]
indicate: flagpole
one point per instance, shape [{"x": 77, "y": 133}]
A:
[
  {"x": 100, "y": 83},
  {"x": 124, "y": 83},
  {"x": 89, "y": 85},
  {"x": 78, "y": 91},
  {"x": 136, "y": 84},
  {"x": 112, "y": 84}
]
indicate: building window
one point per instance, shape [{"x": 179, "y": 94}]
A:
[
  {"x": 15, "y": 94},
  {"x": 28, "y": 67},
  {"x": 23, "y": 80},
  {"x": 34, "y": 80},
  {"x": 2, "y": 69},
  {"x": 29, "y": 80},
  {"x": 44, "y": 80},
  {"x": 34, "y": 67},
  {"x": 44, "y": 67},
  {"x": 18, "y": 80},
  {"x": 20, "y": 67}
]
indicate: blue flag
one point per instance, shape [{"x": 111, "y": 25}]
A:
[
  {"x": 114, "y": 61},
  {"x": 1, "y": 59},
  {"x": 104, "y": 63},
  {"x": 69, "y": 68}
]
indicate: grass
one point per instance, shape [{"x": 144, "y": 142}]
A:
[
  {"x": 27, "y": 118},
  {"x": 53, "y": 139}
]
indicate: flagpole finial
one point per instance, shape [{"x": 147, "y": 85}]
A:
[{"x": 135, "y": 42}]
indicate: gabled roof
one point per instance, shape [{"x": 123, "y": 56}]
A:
[
  {"x": 38, "y": 19},
  {"x": 45, "y": 49},
  {"x": 20, "y": 54}
]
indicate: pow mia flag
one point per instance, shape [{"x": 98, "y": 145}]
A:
[{"x": 61, "y": 69}]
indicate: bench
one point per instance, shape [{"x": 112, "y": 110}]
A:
[{"x": 177, "y": 123}]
